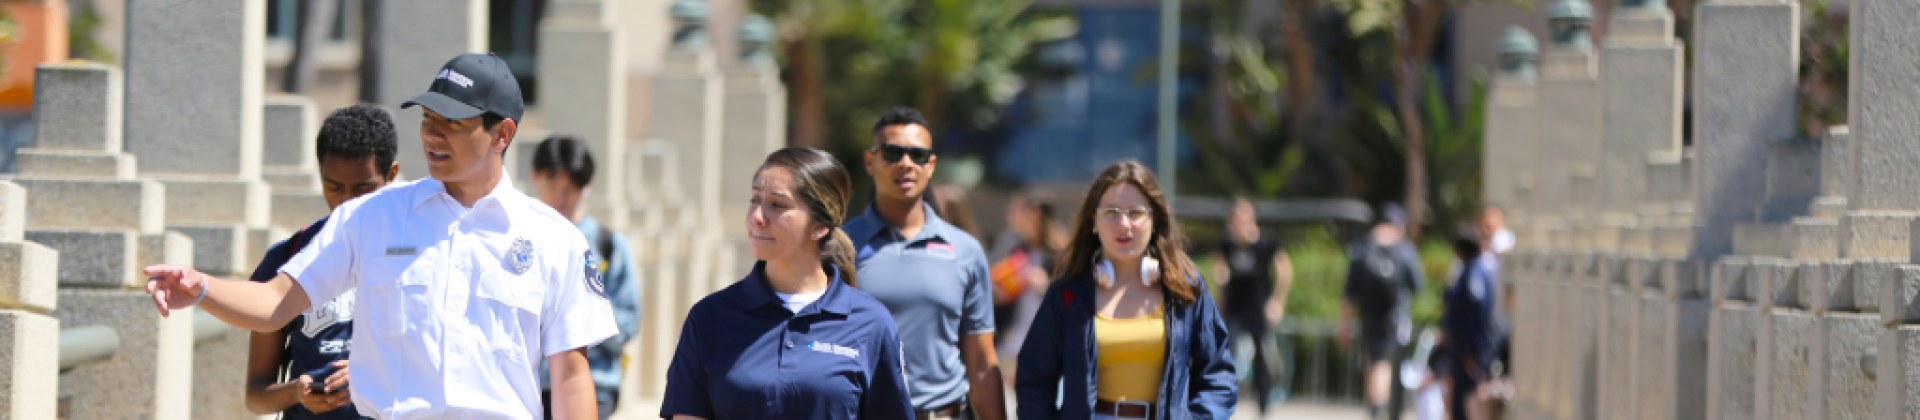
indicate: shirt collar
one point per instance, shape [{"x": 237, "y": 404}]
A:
[
  {"x": 870, "y": 225},
  {"x": 429, "y": 188},
  {"x": 759, "y": 294},
  {"x": 492, "y": 206}
]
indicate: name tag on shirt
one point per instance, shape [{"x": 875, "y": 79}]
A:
[
  {"x": 402, "y": 251},
  {"x": 940, "y": 249}
]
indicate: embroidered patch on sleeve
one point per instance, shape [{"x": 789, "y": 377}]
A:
[{"x": 591, "y": 271}]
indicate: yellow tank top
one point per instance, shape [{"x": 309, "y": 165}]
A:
[{"x": 1132, "y": 355}]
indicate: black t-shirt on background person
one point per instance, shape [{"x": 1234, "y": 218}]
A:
[{"x": 1249, "y": 280}]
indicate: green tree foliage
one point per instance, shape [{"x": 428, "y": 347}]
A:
[{"x": 847, "y": 61}]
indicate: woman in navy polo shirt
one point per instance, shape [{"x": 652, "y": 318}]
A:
[
  {"x": 793, "y": 339},
  {"x": 1127, "y": 330}
]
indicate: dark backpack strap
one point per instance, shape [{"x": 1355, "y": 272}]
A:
[{"x": 603, "y": 246}]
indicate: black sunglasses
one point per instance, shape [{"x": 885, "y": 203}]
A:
[{"x": 891, "y": 153}]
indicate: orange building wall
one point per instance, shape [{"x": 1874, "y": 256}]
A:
[{"x": 39, "y": 36}]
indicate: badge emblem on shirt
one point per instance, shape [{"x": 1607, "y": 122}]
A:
[
  {"x": 592, "y": 270},
  {"x": 520, "y": 256}
]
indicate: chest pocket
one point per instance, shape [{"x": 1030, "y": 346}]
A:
[
  {"x": 402, "y": 306},
  {"x": 509, "y": 309}
]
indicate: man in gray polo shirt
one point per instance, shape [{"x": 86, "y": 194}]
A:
[{"x": 931, "y": 275}]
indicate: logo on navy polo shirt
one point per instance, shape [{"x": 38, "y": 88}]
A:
[
  {"x": 939, "y": 248},
  {"x": 328, "y": 314},
  {"x": 834, "y": 349}
]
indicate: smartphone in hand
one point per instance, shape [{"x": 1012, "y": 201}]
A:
[{"x": 319, "y": 384}]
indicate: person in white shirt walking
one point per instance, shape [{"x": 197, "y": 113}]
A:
[{"x": 463, "y": 283}]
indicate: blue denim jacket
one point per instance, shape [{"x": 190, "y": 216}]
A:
[{"x": 1057, "y": 361}]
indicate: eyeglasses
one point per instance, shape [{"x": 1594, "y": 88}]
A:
[
  {"x": 1116, "y": 214},
  {"x": 891, "y": 153}
]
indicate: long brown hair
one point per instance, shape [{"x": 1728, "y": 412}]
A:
[
  {"x": 1044, "y": 228},
  {"x": 824, "y": 185},
  {"x": 1167, "y": 243}
]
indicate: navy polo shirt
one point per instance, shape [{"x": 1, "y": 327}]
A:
[
  {"x": 316, "y": 338},
  {"x": 742, "y": 355}
]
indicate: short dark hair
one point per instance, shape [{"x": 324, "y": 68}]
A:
[
  {"x": 357, "y": 132},
  {"x": 901, "y": 115},
  {"x": 567, "y": 154},
  {"x": 488, "y": 120}
]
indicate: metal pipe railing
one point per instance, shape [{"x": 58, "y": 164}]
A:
[
  {"x": 206, "y": 327},
  {"x": 89, "y": 344}
]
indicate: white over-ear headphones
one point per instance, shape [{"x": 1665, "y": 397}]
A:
[{"x": 1103, "y": 270}]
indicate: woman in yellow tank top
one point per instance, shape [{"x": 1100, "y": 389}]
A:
[{"x": 1127, "y": 330}]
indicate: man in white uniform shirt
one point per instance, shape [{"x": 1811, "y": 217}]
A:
[{"x": 464, "y": 283}]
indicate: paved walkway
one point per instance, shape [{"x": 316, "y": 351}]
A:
[
  {"x": 1302, "y": 410},
  {"x": 1246, "y": 411}
]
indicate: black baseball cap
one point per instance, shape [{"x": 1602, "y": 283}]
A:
[{"x": 470, "y": 85}]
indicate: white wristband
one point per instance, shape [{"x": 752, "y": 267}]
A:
[{"x": 204, "y": 285}]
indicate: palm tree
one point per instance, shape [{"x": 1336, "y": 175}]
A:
[
  {"x": 848, "y": 60},
  {"x": 1412, "y": 27}
]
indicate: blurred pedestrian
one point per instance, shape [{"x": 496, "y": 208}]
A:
[
  {"x": 1258, "y": 275},
  {"x": 1024, "y": 254},
  {"x": 1383, "y": 276},
  {"x": 1467, "y": 330},
  {"x": 563, "y": 171}
]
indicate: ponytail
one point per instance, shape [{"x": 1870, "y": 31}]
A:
[{"x": 837, "y": 250}]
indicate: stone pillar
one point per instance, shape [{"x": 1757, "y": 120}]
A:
[
  {"x": 1849, "y": 337},
  {"x": 152, "y": 373},
  {"x": 1838, "y": 173},
  {"x": 1619, "y": 314},
  {"x": 1518, "y": 269},
  {"x": 291, "y": 165},
  {"x": 106, "y": 225},
  {"x": 1557, "y": 345},
  {"x": 1583, "y": 297},
  {"x": 1897, "y": 365},
  {"x": 1570, "y": 98},
  {"x": 193, "y": 110},
  {"x": 87, "y": 203},
  {"x": 583, "y": 92},
  {"x": 1880, "y": 109},
  {"x": 1673, "y": 356},
  {"x": 28, "y": 368},
  {"x": 660, "y": 326},
  {"x": 1745, "y": 75},
  {"x": 193, "y": 118},
  {"x": 1793, "y": 179},
  {"x": 1511, "y": 134},
  {"x": 1668, "y": 217},
  {"x": 1741, "y": 338},
  {"x": 688, "y": 106},
  {"x": 756, "y": 119},
  {"x": 1792, "y": 383},
  {"x": 1882, "y": 204},
  {"x": 1642, "y": 81},
  {"x": 1885, "y": 201},
  {"x": 419, "y": 37}
]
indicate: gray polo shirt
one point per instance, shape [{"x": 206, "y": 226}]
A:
[{"x": 936, "y": 286}]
